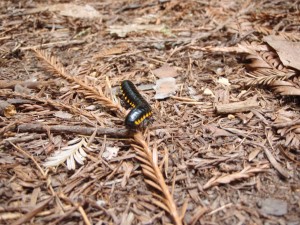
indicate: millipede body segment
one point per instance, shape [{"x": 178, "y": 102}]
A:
[
  {"x": 141, "y": 109},
  {"x": 131, "y": 94},
  {"x": 137, "y": 116}
]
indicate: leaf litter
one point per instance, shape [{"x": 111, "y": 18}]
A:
[{"x": 222, "y": 147}]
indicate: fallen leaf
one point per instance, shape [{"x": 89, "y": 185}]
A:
[
  {"x": 165, "y": 87},
  {"x": 165, "y": 71},
  {"x": 287, "y": 51}
]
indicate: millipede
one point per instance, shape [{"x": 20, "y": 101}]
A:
[
  {"x": 141, "y": 109},
  {"x": 137, "y": 115}
]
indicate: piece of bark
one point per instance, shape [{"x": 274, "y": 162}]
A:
[
  {"x": 236, "y": 107},
  {"x": 7, "y": 109},
  {"x": 35, "y": 127}
]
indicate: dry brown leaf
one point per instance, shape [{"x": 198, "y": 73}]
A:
[
  {"x": 165, "y": 88},
  {"x": 165, "y": 71},
  {"x": 287, "y": 51}
]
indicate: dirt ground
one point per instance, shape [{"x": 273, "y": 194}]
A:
[{"x": 222, "y": 146}]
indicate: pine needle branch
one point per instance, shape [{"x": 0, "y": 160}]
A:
[
  {"x": 228, "y": 178},
  {"x": 52, "y": 64},
  {"x": 155, "y": 178},
  {"x": 267, "y": 76}
]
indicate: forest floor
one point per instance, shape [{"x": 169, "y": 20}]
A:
[{"x": 222, "y": 146}]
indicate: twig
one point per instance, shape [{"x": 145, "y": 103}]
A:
[
  {"x": 237, "y": 107},
  {"x": 220, "y": 208},
  {"x": 55, "y": 44},
  {"x": 37, "y": 127},
  {"x": 85, "y": 218}
]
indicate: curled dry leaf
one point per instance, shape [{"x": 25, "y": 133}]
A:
[{"x": 73, "y": 152}]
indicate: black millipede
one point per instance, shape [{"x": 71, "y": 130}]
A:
[
  {"x": 141, "y": 109},
  {"x": 131, "y": 94}
]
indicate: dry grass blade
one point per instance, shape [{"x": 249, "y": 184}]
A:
[
  {"x": 52, "y": 65},
  {"x": 155, "y": 178},
  {"x": 225, "y": 179}
]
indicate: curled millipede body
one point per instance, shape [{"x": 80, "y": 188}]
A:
[{"x": 141, "y": 109}]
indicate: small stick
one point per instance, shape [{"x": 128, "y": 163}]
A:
[
  {"x": 37, "y": 127},
  {"x": 55, "y": 44},
  {"x": 236, "y": 107}
]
